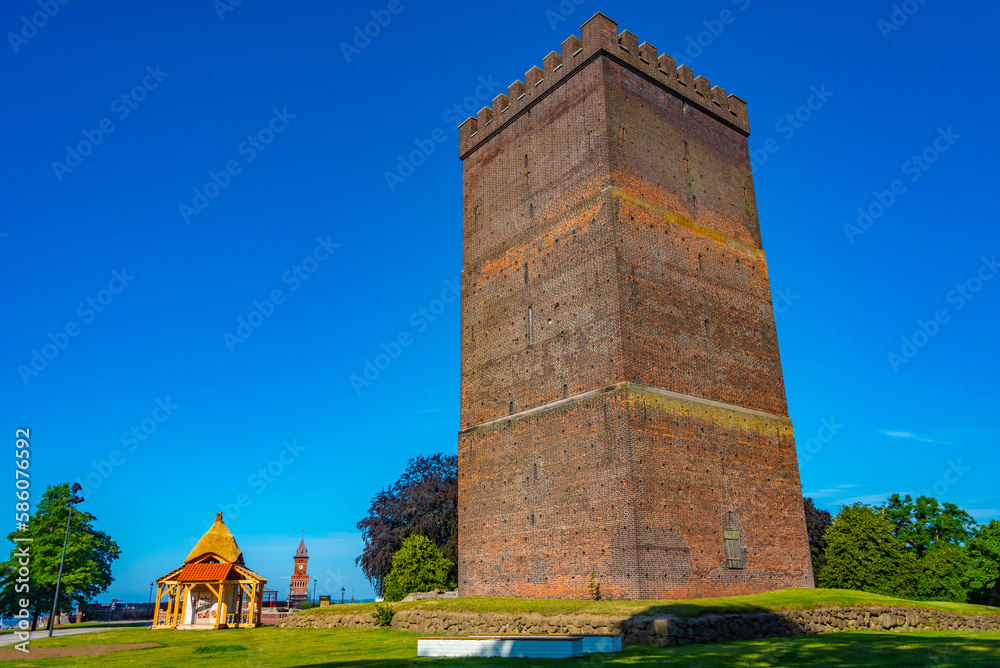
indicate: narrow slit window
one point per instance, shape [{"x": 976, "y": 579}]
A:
[
  {"x": 531, "y": 335},
  {"x": 734, "y": 549}
]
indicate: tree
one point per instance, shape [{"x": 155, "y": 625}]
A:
[
  {"x": 417, "y": 566},
  {"x": 817, "y": 522},
  {"x": 89, "y": 554},
  {"x": 983, "y": 575},
  {"x": 423, "y": 501},
  {"x": 943, "y": 574},
  {"x": 925, "y": 524},
  {"x": 862, "y": 553}
]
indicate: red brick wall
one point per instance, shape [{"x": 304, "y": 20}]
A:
[
  {"x": 637, "y": 487},
  {"x": 622, "y": 216}
]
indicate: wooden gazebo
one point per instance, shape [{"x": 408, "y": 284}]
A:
[{"x": 213, "y": 589}]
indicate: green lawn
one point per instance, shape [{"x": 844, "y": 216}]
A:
[
  {"x": 288, "y": 648},
  {"x": 785, "y": 599}
]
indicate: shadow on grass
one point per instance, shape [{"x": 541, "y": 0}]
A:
[{"x": 833, "y": 650}]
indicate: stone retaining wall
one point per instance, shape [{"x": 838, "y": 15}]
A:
[{"x": 663, "y": 629}]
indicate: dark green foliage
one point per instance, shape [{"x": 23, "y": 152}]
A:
[
  {"x": 417, "y": 566},
  {"x": 423, "y": 501},
  {"x": 942, "y": 574},
  {"x": 383, "y": 614},
  {"x": 862, "y": 553},
  {"x": 817, "y": 522},
  {"x": 983, "y": 575},
  {"x": 925, "y": 524},
  {"x": 89, "y": 554}
]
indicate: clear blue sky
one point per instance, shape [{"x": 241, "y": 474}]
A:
[{"x": 326, "y": 132}]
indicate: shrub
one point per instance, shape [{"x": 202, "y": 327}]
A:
[
  {"x": 417, "y": 566},
  {"x": 383, "y": 614},
  {"x": 594, "y": 587}
]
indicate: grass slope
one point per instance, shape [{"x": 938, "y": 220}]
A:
[
  {"x": 299, "y": 648},
  {"x": 785, "y": 599}
]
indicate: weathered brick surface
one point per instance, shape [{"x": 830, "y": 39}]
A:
[{"x": 610, "y": 240}]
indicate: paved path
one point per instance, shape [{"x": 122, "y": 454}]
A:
[{"x": 10, "y": 638}]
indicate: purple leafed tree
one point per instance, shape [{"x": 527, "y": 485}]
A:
[{"x": 423, "y": 501}]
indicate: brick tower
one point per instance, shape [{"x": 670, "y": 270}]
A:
[
  {"x": 623, "y": 407},
  {"x": 299, "y": 588}
]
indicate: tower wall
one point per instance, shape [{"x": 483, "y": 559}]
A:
[{"x": 623, "y": 409}]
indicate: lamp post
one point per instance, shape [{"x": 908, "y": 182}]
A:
[
  {"x": 315, "y": 581},
  {"x": 73, "y": 500},
  {"x": 342, "y": 590}
]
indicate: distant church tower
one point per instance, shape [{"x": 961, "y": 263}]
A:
[
  {"x": 623, "y": 406},
  {"x": 300, "y": 576}
]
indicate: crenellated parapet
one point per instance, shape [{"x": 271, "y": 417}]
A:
[{"x": 600, "y": 35}]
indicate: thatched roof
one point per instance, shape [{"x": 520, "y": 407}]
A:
[{"x": 218, "y": 541}]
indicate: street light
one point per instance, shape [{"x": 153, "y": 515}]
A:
[
  {"x": 73, "y": 500},
  {"x": 342, "y": 590},
  {"x": 315, "y": 581}
]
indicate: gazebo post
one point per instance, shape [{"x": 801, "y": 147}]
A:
[
  {"x": 156, "y": 610},
  {"x": 172, "y": 606},
  {"x": 220, "y": 613},
  {"x": 254, "y": 616}
]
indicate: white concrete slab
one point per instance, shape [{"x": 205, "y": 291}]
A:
[
  {"x": 593, "y": 643},
  {"x": 531, "y": 647}
]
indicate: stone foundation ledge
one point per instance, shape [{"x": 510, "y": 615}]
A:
[{"x": 664, "y": 629}]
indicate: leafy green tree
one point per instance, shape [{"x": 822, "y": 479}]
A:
[
  {"x": 942, "y": 574},
  {"x": 925, "y": 524},
  {"x": 983, "y": 575},
  {"x": 89, "y": 554},
  {"x": 862, "y": 553},
  {"x": 817, "y": 522},
  {"x": 417, "y": 566}
]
